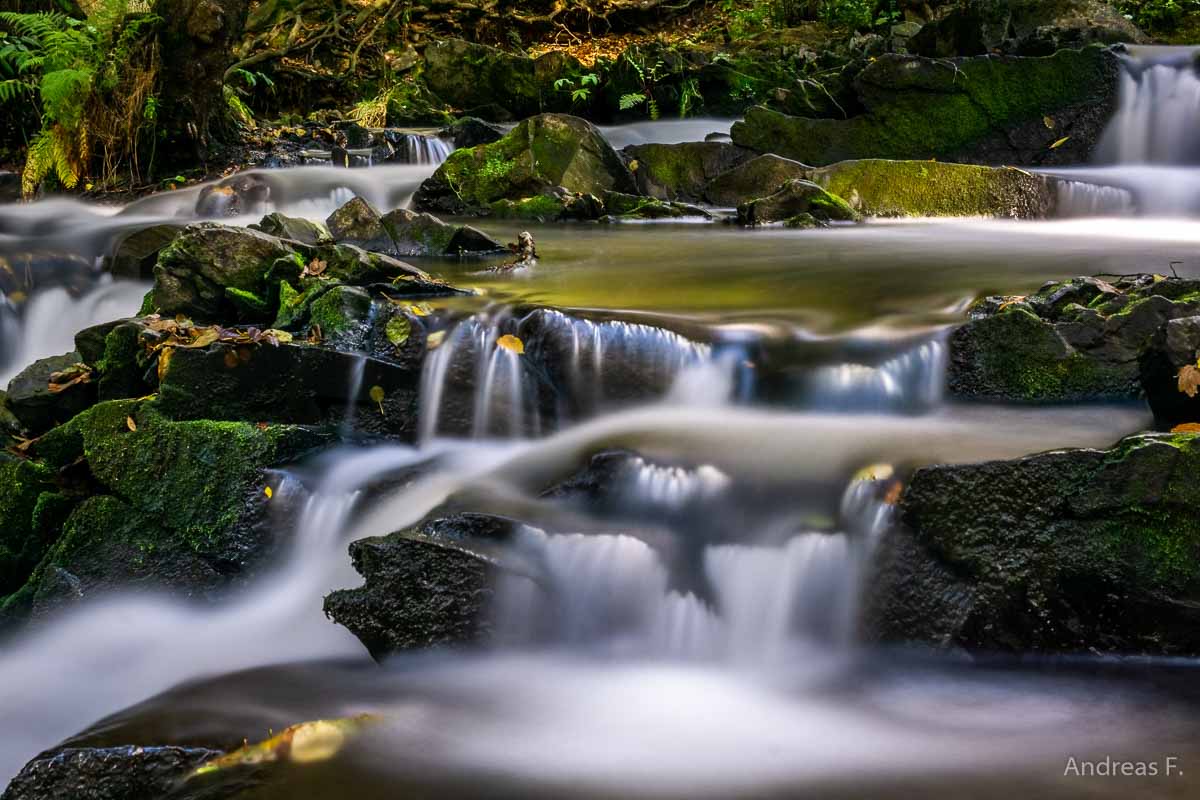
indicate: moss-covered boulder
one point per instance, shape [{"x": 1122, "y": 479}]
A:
[
  {"x": 37, "y": 404},
  {"x": 178, "y": 506},
  {"x": 426, "y": 586},
  {"x": 357, "y": 222},
  {"x": 417, "y": 234},
  {"x": 681, "y": 171},
  {"x": 1065, "y": 551},
  {"x": 796, "y": 198},
  {"x": 1071, "y": 341},
  {"x": 482, "y": 80},
  {"x": 295, "y": 228},
  {"x": 881, "y": 188},
  {"x": 23, "y": 535},
  {"x": 543, "y": 152},
  {"x": 1165, "y": 368},
  {"x": 621, "y": 206},
  {"x": 986, "y": 109},
  {"x": 553, "y": 205},
  {"x": 759, "y": 177}
]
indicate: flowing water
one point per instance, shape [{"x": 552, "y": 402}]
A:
[{"x": 696, "y": 633}]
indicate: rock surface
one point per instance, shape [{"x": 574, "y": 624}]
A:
[
  {"x": 107, "y": 773},
  {"x": 1174, "y": 348},
  {"x": 681, "y": 171},
  {"x": 796, "y": 201}
]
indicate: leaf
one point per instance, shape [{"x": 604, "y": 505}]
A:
[
  {"x": 1187, "y": 427},
  {"x": 164, "y": 362},
  {"x": 434, "y": 340},
  {"x": 268, "y": 492},
  {"x": 204, "y": 337},
  {"x": 419, "y": 311},
  {"x": 129, "y": 423},
  {"x": 71, "y": 376},
  {"x": 893, "y": 493},
  {"x": 1059, "y": 143},
  {"x": 377, "y": 394},
  {"x": 1189, "y": 380},
  {"x": 510, "y": 342},
  {"x": 275, "y": 337},
  {"x": 231, "y": 359},
  {"x": 305, "y": 743},
  {"x": 1048, "y": 122},
  {"x": 398, "y": 329},
  {"x": 314, "y": 268},
  {"x": 875, "y": 472}
]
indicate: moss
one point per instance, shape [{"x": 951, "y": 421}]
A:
[
  {"x": 124, "y": 364},
  {"x": 342, "y": 313},
  {"x": 883, "y": 188},
  {"x": 249, "y": 304},
  {"x": 543, "y": 207},
  {"x": 148, "y": 307},
  {"x": 22, "y": 483}
]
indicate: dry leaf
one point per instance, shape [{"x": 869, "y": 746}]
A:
[
  {"x": 129, "y": 423},
  {"x": 893, "y": 493},
  {"x": 164, "y": 362},
  {"x": 230, "y": 359},
  {"x": 1189, "y": 380},
  {"x": 433, "y": 340},
  {"x": 1059, "y": 143},
  {"x": 1187, "y": 427},
  {"x": 377, "y": 394},
  {"x": 1048, "y": 122},
  {"x": 305, "y": 743},
  {"x": 510, "y": 342}
]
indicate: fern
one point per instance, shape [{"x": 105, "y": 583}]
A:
[{"x": 631, "y": 100}]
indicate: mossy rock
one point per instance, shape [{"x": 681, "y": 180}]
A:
[
  {"x": 22, "y": 483},
  {"x": 482, "y": 80},
  {"x": 293, "y": 228},
  {"x": 31, "y": 401},
  {"x": 344, "y": 316},
  {"x": 761, "y": 176},
  {"x": 1065, "y": 551},
  {"x": 543, "y": 152},
  {"x": 681, "y": 171},
  {"x": 796, "y": 197},
  {"x": 550, "y": 206},
  {"x": 882, "y": 188},
  {"x": 635, "y": 207},
  {"x": 985, "y": 109}
]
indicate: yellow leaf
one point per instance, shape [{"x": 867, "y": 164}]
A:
[
  {"x": 434, "y": 339},
  {"x": 875, "y": 472},
  {"x": 305, "y": 743},
  {"x": 419, "y": 311},
  {"x": 1048, "y": 122},
  {"x": 268, "y": 492},
  {"x": 1187, "y": 427},
  {"x": 164, "y": 362},
  {"x": 129, "y": 423},
  {"x": 1158, "y": 278},
  {"x": 1189, "y": 380},
  {"x": 510, "y": 342},
  {"x": 1059, "y": 143},
  {"x": 204, "y": 337},
  {"x": 377, "y": 395}
]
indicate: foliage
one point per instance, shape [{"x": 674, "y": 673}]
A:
[
  {"x": 1162, "y": 15},
  {"x": 582, "y": 92},
  {"x": 748, "y": 18},
  {"x": 92, "y": 84},
  {"x": 648, "y": 75},
  {"x": 373, "y": 112}
]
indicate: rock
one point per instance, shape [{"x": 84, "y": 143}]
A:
[
  {"x": 543, "y": 152},
  {"x": 1173, "y": 347},
  {"x": 550, "y": 206},
  {"x": 24, "y": 532},
  {"x": 1023, "y": 27},
  {"x": 107, "y": 773},
  {"x": 177, "y": 506},
  {"x": 880, "y": 188},
  {"x": 135, "y": 254},
  {"x": 1069, "y": 551},
  {"x": 985, "y": 109},
  {"x": 629, "y": 206},
  {"x": 472, "y": 132},
  {"x": 357, "y": 222},
  {"x": 482, "y": 80},
  {"x": 9, "y": 424},
  {"x": 293, "y": 228},
  {"x": 426, "y": 586},
  {"x": 422, "y": 234},
  {"x": 1052, "y": 348},
  {"x": 681, "y": 171},
  {"x": 10, "y": 186},
  {"x": 794, "y": 198},
  {"x": 759, "y": 177},
  {"x": 38, "y": 408},
  {"x": 239, "y": 194}
]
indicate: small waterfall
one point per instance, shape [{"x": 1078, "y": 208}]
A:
[
  {"x": 1080, "y": 199},
  {"x": 913, "y": 380},
  {"x": 1158, "y": 109},
  {"x": 671, "y": 486},
  {"x": 411, "y": 147}
]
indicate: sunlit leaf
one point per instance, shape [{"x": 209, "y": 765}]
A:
[
  {"x": 164, "y": 362},
  {"x": 398, "y": 329},
  {"x": 420, "y": 310},
  {"x": 433, "y": 340},
  {"x": 305, "y": 743},
  {"x": 1189, "y": 380},
  {"x": 377, "y": 394},
  {"x": 1059, "y": 143},
  {"x": 510, "y": 342},
  {"x": 129, "y": 423},
  {"x": 1187, "y": 427},
  {"x": 268, "y": 492}
]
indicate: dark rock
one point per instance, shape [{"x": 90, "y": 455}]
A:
[
  {"x": 236, "y": 195},
  {"x": 9, "y": 424},
  {"x": 293, "y": 228},
  {"x": 10, "y": 186},
  {"x": 759, "y": 177},
  {"x": 39, "y": 409},
  {"x": 984, "y": 109},
  {"x": 682, "y": 171},
  {"x": 107, "y": 773},
  {"x": 135, "y": 255},
  {"x": 415, "y": 234},
  {"x": 1051, "y": 348},
  {"x": 358, "y": 223},
  {"x": 486, "y": 81},
  {"x": 1065, "y": 551},
  {"x": 1175, "y": 346},
  {"x": 796, "y": 197},
  {"x": 472, "y": 132},
  {"x": 427, "y": 586},
  {"x": 543, "y": 152},
  {"x": 629, "y": 206}
]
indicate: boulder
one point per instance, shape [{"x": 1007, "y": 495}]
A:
[
  {"x": 32, "y": 400},
  {"x": 881, "y": 188},
  {"x": 635, "y": 207},
  {"x": 426, "y": 586},
  {"x": 472, "y": 132},
  {"x": 1174, "y": 348},
  {"x": 294, "y": 228},
  {"x": 759, "y": 177},
  {"x": 357, "y": 222},
  {"x": 984, "y": 109},
  {"x": 1073, "y": 550},
  {"x": 552, "y": 205},
  {"x": 418, "y": 234},
  {"x": 240, "y": 194},
  {"x": 681, "y": 171},
  {"x": 135, "y": 254},
  {"x": 543, "y": 152},
  {"x": 108, "y": 773},
  {"x": 795, "y": 198},
  {"x": 482, "y": 80},
  {"x": 1072, "y": 341},
  {"x": 27, "y": 492}
]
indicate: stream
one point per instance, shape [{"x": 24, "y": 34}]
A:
[{"x": 733, "y": 670}]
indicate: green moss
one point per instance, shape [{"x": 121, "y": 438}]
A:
[
  {"x": 248, "y": 303},
  {"x": 341, "y": 311},
  {"x": 22, "y": 483},
  {"x": 542, "y": 207}
]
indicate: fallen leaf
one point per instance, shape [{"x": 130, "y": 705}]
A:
[
  {"x": 433, "y": 340},
  {"x": 1189, "y": 380},
  {"x": 1048, "y": 122},
  {"x": 314, "y": 268},
  {"x": 510, "y": 342},
  {"x": 1059, "y": 143},
  {"x": 377, "y": 394},
  {"x": 204, "y": 337},
  {"x": 305, "y": 743},
  {"x": 129, "y": 423},
  {"x": 419, "y": 311},
  {"x": 875, "y": 472},
  {"x": 1187, "y": 427},
  {"x": 231, "y": 359},
  {"x": 71, "y": 376},
  {"x": 164, "y": 362},
  {"x": 893, "y": 493},
  {"x": 268, "y": 492},
  {"x": 398, "y": 329}
]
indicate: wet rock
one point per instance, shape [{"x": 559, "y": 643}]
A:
[
  {"x": 135, "y": 255},
  {"x": 31, "y": 400},
  {"x": 358, "y": 223},
  {"x": 681, "y": 171},
  {"x": 418, "y": 234},
  {"x": 10, "y": 186},
  {"x": 9, "y": 424},
  {"x": 24, "y": 528},
  {"x": 1023, "y": 27},
  {"x": 343, "y": 314},
  {"x": 881, "y": 188},
  {"x": 472, "y": 132},
  {"x": 629, "y": 206},
  {"x": 236, "y": 195},
  {"x": 293, "y": 228},
  {"x": 177, "y": 506},
  {"x": 541, "y": 153},
  {"x": 796, "y": 197},
  {"x": 985, "y": 109},
  {"x": 1064, "y": 551},
  {"x": 430, "y": 585},
  {"x": 107, "y": 773},
  {"x": 759, "y": 177},
  {"x": 1173, "y": 348},
  {"x": 1052, "y": 348}
]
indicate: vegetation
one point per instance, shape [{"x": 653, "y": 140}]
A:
[{"x": 1158, "y": 15}]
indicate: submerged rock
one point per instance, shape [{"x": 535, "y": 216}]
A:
[
  {"x": 796, "y": 198},
  {"x": 985, "y": 109},
  {"x": 426, "y": 586},
  {"x": 1065, "y": 551},
  {"x": 681, "y": 171},
  {"x": 541, "y": 153},
  {"x": 1072, "y": 341}
]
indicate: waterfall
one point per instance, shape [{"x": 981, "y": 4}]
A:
[
  {"x": 411, "y": 147},
  {"x": 1081, "y": 199},
  {"x": 911, "y": 380},
  {"x": 1158, "y": 109}
]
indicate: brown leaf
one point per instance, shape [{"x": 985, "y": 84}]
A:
[
  {"x": 164, "y": 362},
  {"x": 1189, "y": 380},
  {"x": 204, "y": 337},
  {"x": 1187, "y": 427},
  {"x": 129, "y": 423},
  {"x": 314, "y": 268},
  {"x": 511, "y": 343},
  {"x": 893, "y": 493},
  {"x": 72, "y": 375},
  {"x": 231, "y": 359}
]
